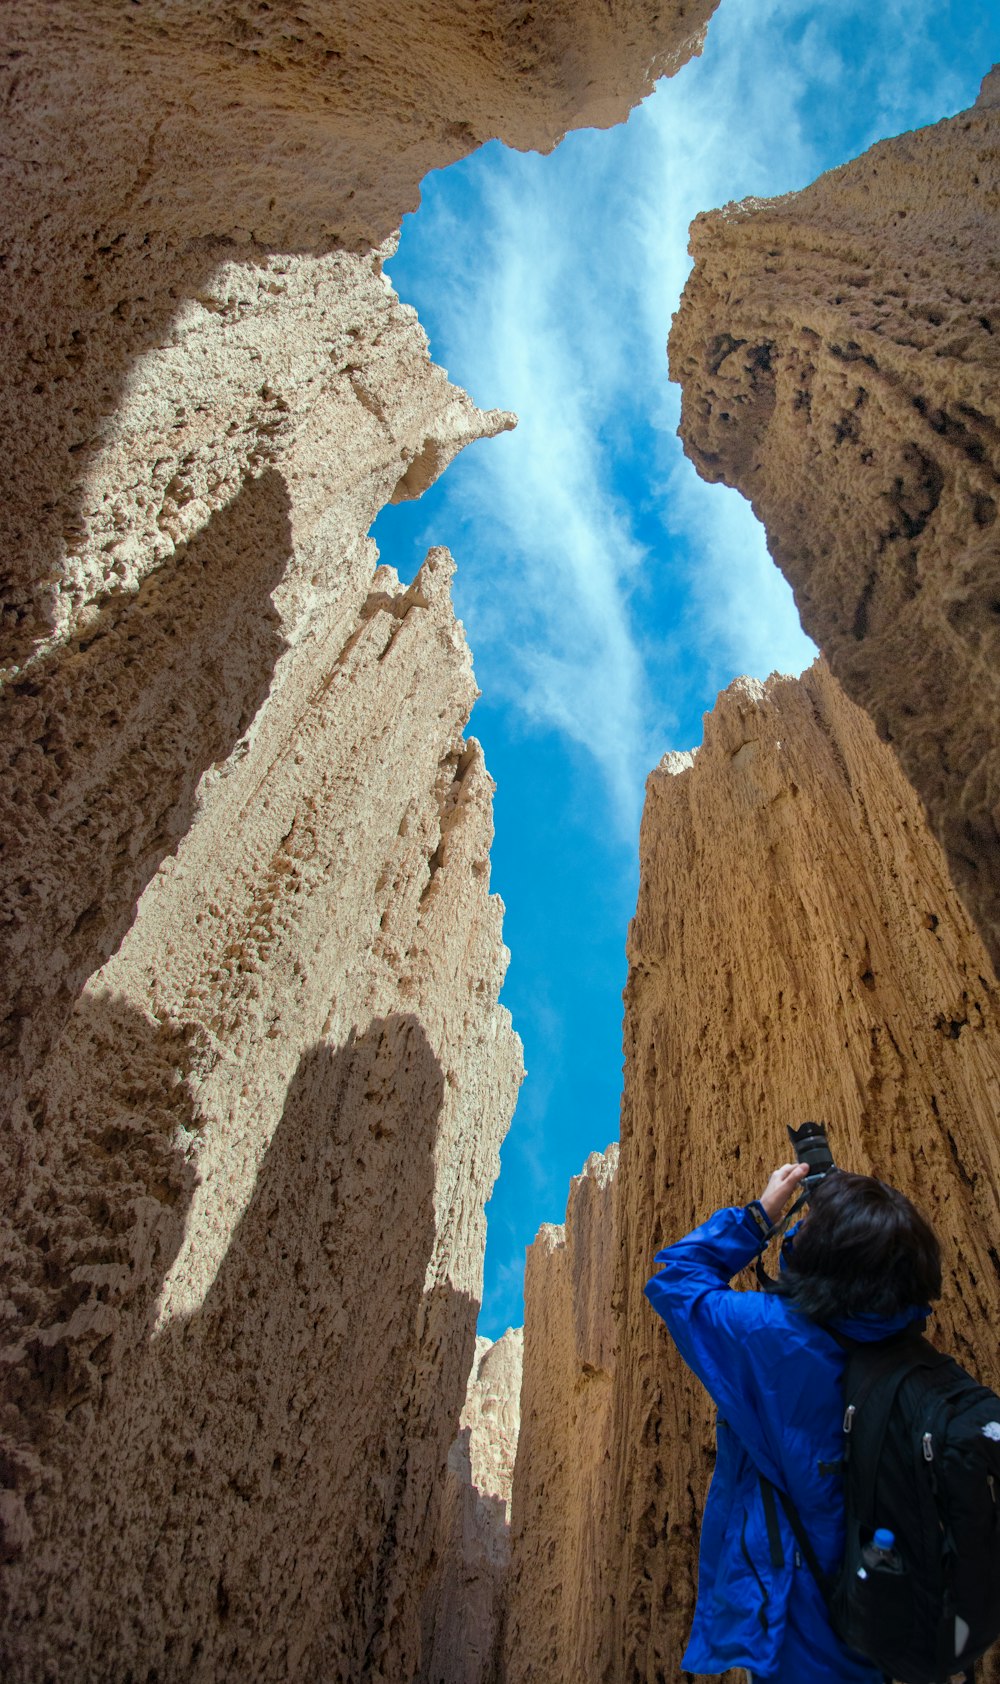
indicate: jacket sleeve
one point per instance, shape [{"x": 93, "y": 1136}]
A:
[{"x": 713, "y": 1327}]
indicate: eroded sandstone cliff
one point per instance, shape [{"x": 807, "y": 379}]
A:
[
  {"x": 179, "y": 188},
  {"x": 839, "y": 353},
  {"x": 224, "y": 566},
  {"x": 247, "y": 1248},
  {"x": 558, "y": 1617},
  {"x": 465, "y": 1606},
  {"x": 253, "y": 1072},
  {"x": 798, "y": 950},
  {"x": 146, "y": 146}
]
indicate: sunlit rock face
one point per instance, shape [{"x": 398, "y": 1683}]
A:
[
  {"x": 182, "y": 190},
  {"x": 798, "y": 951},
  {"x": 145, "y": 146},
  {"x": 252, "y": 1068},
  {"x": 465, "y": 1604},
  {"x": 839, "y": 353},
  {"x": 248, "y": 1246},
  {"x": 257, "y": 1074},
  {"x": 223, "y": 565},
  {"x": 558, "y": 1621}
]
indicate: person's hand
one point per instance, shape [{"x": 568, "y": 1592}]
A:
[{"x": 783, "y": 1183}]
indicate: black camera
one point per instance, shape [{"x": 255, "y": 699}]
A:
[{"x": 812, "y": 1148}]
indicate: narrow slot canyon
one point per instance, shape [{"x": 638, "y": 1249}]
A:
[{"x": 258, "y": 1055}]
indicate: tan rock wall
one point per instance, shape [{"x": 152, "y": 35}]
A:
[
  {"x": 144, "y": 147},
  {"x": 559, "y": 1621},
  {"x": 254, "y": 1076},
  {"x": 223, "y": 565},
  {"x": 798, "y": 951},
  {"x": 465, "y": 1607},
  {"x": 246, "y": 1251},
  {"x": 179, "y": 185},
  {"x": 253, "y": 1045},
  {"x": 839, "y": 353}
]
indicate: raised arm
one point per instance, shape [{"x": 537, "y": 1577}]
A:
[{"x": 726, "y": 1337}]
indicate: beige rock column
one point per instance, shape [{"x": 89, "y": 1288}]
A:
[
  {"x": 223, "y": 564},
  {"x": 249, "y": 918},
  {"x": 246, "y": 1255},
  {"x": 839, "y": 353},
  {"x": 798, "y": 951},
  {"x": 254, "y": 1076},
  {"x": 559, "y": 1619},
  {"x": 465, "y": 1607}
]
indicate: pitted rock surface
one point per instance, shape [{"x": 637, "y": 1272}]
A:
[
  {"x": 466, "y": 1603},
  {"x": 246, "y": 1243},
  {"x": 839, "y": 354},
  {"x": 798, "y": 951},
  {"x": 558, "y": 1620}
]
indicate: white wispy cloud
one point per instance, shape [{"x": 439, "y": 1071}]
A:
[{"x": 549, "y": 615}]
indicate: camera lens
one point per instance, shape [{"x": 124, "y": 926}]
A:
[{"x": 812, "y": 1149}]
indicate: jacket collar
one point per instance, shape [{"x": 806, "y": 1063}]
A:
[{"x": 865, "y": 1327}]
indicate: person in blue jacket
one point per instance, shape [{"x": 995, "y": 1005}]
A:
[{"x": 864, "y": 1262}]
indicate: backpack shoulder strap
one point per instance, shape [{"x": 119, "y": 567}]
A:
[
  {"x": 771, "y": 1492},
  {"x": 872, "y": 1381}
]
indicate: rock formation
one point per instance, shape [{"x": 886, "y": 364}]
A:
[
  {"x": 224, "y": 568},
  {"x": 558, "y": 1616},
  {"x": 248, "y": 929},
  {"x": 254, "y": 1075},
  {"x": 179, "y": 191},
  {"x": 145, "y": 147},
  {"x": 464, "y": 1613},
  {"x": 798, "y": 950},
  {"x": 247, "y": 1249},
  {"x": 839, "y": 351}
]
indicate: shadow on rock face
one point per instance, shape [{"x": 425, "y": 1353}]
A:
[
  {"x": 248, "y": 1490},
  {"x": 98, "y": 1195},
  {"x": 105, "y": 744},
  {"x": 146, "y": 147}
]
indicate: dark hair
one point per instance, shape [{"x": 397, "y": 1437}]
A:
[{"x": 863, "y": 1247}]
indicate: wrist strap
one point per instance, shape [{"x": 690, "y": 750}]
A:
[{"x": 774, "y": 1231}]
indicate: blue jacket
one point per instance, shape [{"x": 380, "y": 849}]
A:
[{"x": 777, "y": 1380}]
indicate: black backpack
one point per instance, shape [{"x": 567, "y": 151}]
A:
[{"x": 921, "y": 1458}]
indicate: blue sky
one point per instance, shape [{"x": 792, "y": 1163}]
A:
[{"x": 608, "y": 594}]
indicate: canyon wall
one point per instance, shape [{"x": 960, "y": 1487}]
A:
[
  {"x": 246, "y": 1250},
  {"x": 839, "y": 353},
  {"x": 466, "y": 1604},
  {"x": 145, "y": 146},
  {"x": 223, "y": 568},
  {"x": 257, "y": 1076},
  {"x": 558, "y": 1617},
  {"x": 798, "y": 950},
  {"x": 182, "y": 190},
  {"x": 253, "y": 1072}
]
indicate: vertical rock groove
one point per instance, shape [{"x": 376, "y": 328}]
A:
[
  {"x": 465, "y": 1607},
  {"x": 839, "y": 353},
  {"x": 561, "y": 1522}
]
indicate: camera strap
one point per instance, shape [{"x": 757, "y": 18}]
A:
[{"x": 777, "y": 1232}]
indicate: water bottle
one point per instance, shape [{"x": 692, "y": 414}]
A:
[{"x": 881, "y": 1555}]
